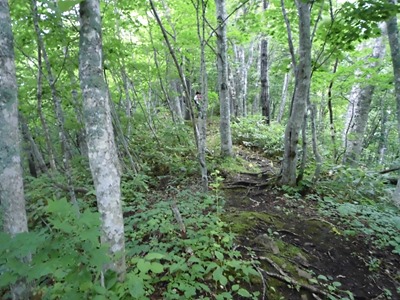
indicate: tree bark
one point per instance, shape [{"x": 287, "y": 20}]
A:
[
  {"x": 393, "y": 34},
  {"x": 201, "y": 23},
  {"x": 330, "y": 108},
  {"x": 102, "y": 151},
  {"x": 222, "y": 66},
  {"x": 285, "y": 89},
  {"x": 301, "y": 94},
  {"x": 264, "y": 78},
  {"x": 11, "y": 185},
  {"x": 359, "y": 107}
]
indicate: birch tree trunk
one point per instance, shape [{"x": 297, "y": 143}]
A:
[
  {"x": 301, "y": 94},
  {"x": 102, "y": 151},
  {"x": 222, "y": 65},
  {"x": 393, "y": 34},
  {"x": 11, "y": 185},
  {"x": 359, "y": 106}
]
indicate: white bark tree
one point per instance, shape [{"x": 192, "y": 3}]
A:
[
  {"x": 301, "y": 94},
  {"x": 359, "y": 106},
  {"x": 222, "y": 65},
  {"x": 102, "y": 152},
  {"x": 11, "y": 185}
]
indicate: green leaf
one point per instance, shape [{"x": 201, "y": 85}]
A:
[
  {"x": 136, "y": 287},
  {"x": 219, "y": 276},
  {"x": 153, "y": 255},
  {"x": 156, "y": 267},
  {"x": 219, "y": 255},
  {"x": 143, "y": 266},
  {"x": 322, "y": 277},
  {"x": 67, "y": 4},
  {"x": 244, "y": 293}
]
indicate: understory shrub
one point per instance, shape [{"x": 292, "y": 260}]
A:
[
  {"x": 168, "y": 261},
  {"x": 253, "y": 132},
  {"x": 67, "y": 257},
  {"x": 362, "y": 201}
]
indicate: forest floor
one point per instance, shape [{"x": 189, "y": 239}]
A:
[{"x": 303, "y": 253}]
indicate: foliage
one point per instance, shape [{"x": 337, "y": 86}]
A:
[
  {"x": 252, "y": 132},
  {"x": 67, "y": 257},
  {"x": 362, "y": 201},
  {"x": 380, "y": 223},
  {"x": 359, "y": 185},
  {"x": 168, "y": 264},
  {"x": 169, "y": 151}
]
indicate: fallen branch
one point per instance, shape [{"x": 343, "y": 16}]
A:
[
  {"x": 294, "y": 282},
  {"x": 178, "y": 218},
  {"x": 389, "y": 170}
]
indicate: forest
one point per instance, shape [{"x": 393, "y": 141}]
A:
[{"x": 199, "y": 149}]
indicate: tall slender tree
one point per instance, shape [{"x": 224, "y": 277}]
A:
[
  {"x": 301, "y": 94},
  {"x": 222, "y": 64},
  {"x": 11, "y": 185},
  {"x": 264, "y": 78},
  {"x": 359, "y": 106},
  {"x": 394, "y": 43},
  {"x": 102, "y": 151}
]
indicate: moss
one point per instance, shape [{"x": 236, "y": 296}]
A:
[{"x": 242, "y": 221}]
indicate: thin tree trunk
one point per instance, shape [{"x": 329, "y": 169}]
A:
[
  {"x": 301, "y": 94},
  {"x": 330, "y": 109},
  {"x": 184, "y": 82},
  {"x": 264, "y": 78},
  {"x": 285, "y": 89},
  {"x": 393, "y": 34},
  {"x": 37, "y": 156},
  {"x": 222, "y": 66},
  {"x": 103, "y": 158},
  {"x": 66, "y": 149},
  {"x": 204, "y": 102},
  {"x": 46, "y": 131},
  {"x": 359, "y": 107},
  {"x": 233, "y": 103},
  {"x": 383, "y": 133},
  {"x": 12, "y": 197},
  {"x": 304, "y": 150},
  {"x": 318, "y": 158}
]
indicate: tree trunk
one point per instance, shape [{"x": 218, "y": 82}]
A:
[
  {"x": 264, "y": 93},
  {"x": 222, "y": 65},
  {"x": 393, "y": 34},
  {"x": 11, "y": 185},
  {"x": 66, "y": 149},
  {"x": 285, "y": 89},
  {"x": 330, "y": 108},
  {"x": 233, "y": 103},
  {"x": 204, "y": 102},
  {"x": 102, "y": 151},
  {"x": 39, "y": 95},
  {"x": 359, "y": 106},
  {"x": 301, "y": 94}
]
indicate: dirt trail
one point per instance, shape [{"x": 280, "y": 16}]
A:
[{"x": 303, "y": 254}]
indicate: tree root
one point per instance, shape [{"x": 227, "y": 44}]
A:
[{"x": 282, "y": 276}]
